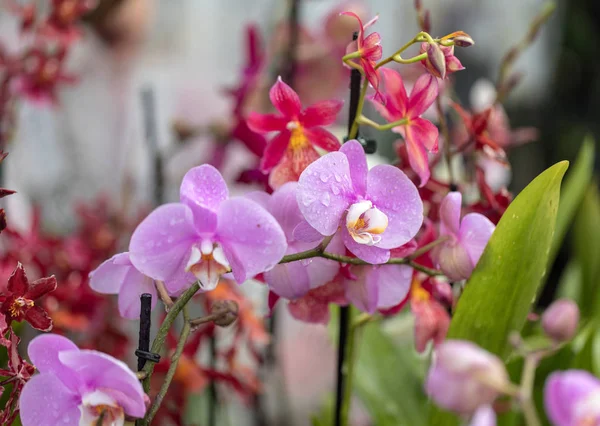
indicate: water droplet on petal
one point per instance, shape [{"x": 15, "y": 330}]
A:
[
  {"x": 337, "y": 177},
  {"x": 324, "y": 177},
  {"x": 325, "y": 199},
  {"x": 335, "y": 189}
]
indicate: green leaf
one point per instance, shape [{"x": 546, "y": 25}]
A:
[
  {"x": 503, "y": 286},
  {"x": 573, "y": 190},
  {"x": 587, "y": 251},
  {"x": 389, "y": 379},
  {"x": 569, "y": 284}
]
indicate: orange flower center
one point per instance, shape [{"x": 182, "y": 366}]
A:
[
  {"x": 417, "y": 292},
  {"x": 298, "y": 139},
  {"x": 18, "y": 305}
]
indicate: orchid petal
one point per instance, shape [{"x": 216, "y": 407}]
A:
[
  {"x": 38, "y": 318},
  {"x": 563, "y": 390},
  {"x": 454, "y": 261},
  {"x": 371, "y": 254},
  {"x": 305, "y": 233},
  {"x": 418, "y": 159},
  {"x": 263, "y": 123},
  {"x": 284, "y": 208},
  {"x": 289, "y": 280},
  {"x": 252, "y": 239},
  {"x": 423, "y": 94},
  {"x": 275, "y": 150},
  {"x": 325, "y": 192},
  {"x": 203, "y": 187},
  {"x": 41, "y": 287},
  {"x": 363, "y": 292},
  {"x": 285, "y": 99},
  {"x": 162, "y": 242},
  {"x": 43, "y": 351},
  {"x": 17, "y": 281},
  {"x": 322, "y": 138},
  {"x": 484, "y": 416},
  {"x": 396, "y": 196},
  {"x": 396, "y": 93},
  {"x": 394, "y": 284},
  {"x": 357, "y": 161},
  {"x": 450, "y": 214},
  {"x": 45, "y": 400},
  {"x": 321, "y": 113},
  {"x": 475, "y": 232},
  {"x": 108, "y": 277},
  {"x": 134, "y": 285},
  {"x": 371, "y": 41},
  {"x": 424, "y": 133},
  {"x": 99, "y": 370}
]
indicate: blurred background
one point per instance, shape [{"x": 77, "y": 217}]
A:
[{"x": 149, "y": 99}]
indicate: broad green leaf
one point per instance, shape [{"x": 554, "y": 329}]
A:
[
  {"x": 587, "y": 250},
  {"x": 499, "y": 294},
  {"x": 569, "y": 284},
  {"x": 503, "y": 286},
  {"x": 389, "y": 379},
  {"x": 573, "y": 190}
]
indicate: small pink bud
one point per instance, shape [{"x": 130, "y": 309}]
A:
[
  {"x": 560, "y": 320},
  {"x": 464, "y": 377},
  {"x": 463, "y": 41},
  {"x": 437, "y": 59}
]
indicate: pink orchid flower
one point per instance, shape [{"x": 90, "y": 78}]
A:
[
  {"x": 468, "y": 237},
  {"x": 484, "y": 416},
  {"x": 378, "y": 287},
  {"x": 420, "y": 135},
  {"x": 294, "y": 279},
  {"x": 206, "y": 235},
  {"x": 370, "y": 51},
  {"x": 117, "y": 275},
  {"x": 572, "y": 397},
  {"x": 376, "y": 210},
  {"x": 290, "y": 151}
]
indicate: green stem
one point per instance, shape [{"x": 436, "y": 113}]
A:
[
  {"x": 361, "y": 102},
  {"x": 526, "y": 390},
  {"x": 348, "y": 370},
  {"x": 185, "y": 332},
  {"x": 161, "y": 335},
  {"x": 350, "y": 56},
  {"x": 414, "y": 59},
  {"x": 316, "y": 252},
  {"x": 389, "y": 59},
  {"x": 428, "y": 247},
  {"x": 381, "y": 127}
]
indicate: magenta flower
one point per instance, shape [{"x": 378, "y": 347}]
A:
[
  {"x": 117, "y": 275},
  {"x": 299, "y": 131},
  {"x": 420, "y": 135},
  {"x": 77, "y": 386},
  {"x": 464, "y": 377},
  {"x": 468, "y": 237},
  {"x": 206, "y": 235},
  {"x": 293, "y": 280},
  {"x": 378, "y": 287},
  {"x": 369, "y": 49},
  {"x": 572, "y": 398},
  {"x": 376, "y": 210}
]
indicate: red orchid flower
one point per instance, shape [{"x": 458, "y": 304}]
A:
[
  {"x": 290, "y": 151},
  {"x": 432, "y": 320},
  {"x": 64, "y": 16},
  {"x": 420, "y": 135},
  {"x": 18, "y": 303},
  {"x": 313, "y": 307},
  {"x": 370, "y": 51},
  {"x": 41, "y": 74},
  {"x": 492, "y": 205}
]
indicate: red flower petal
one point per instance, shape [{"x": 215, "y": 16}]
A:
[
  {"x": 361, "y": 32},
  {"x": 275, "y": 150},
  {"x": 283, "y": 172},
  {"x": 322, "y": 138},
  {"x": 424, "y": 132},
  {"x": 302, "y": 158},
  {"x": 254, "y": 141},
  {"x": 263, "y": 123},
  {"x": 40, "y": 287},
  {"x": 417, "y": 157},
  {"x": 371, "y": 49},
  {"x": 423, "y": 94},
  {"x": 321, "y": 114},
  {"x": 38, "y": 318},
  {"x": 17, "y": 282},
  {"x": 285, "y": 99},
  {"x": 396, "y": 93},
  {"x": 373, "y": 76}
]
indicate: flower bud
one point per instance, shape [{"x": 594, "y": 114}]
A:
[
  {"x": 464, "y": 377},
  {"x": 437, "y": 59},
  {"x": 227, "y": 311},
  {"x": 464, "y": 41},
  {"x": 560, "y": 320}
]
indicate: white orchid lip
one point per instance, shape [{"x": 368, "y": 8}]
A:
[
  {"x": 366, "y": 223},
  {"x": 208, "y": 263},
  {"x": 97, "y": 404}
]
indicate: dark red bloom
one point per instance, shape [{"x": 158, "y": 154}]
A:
[
  {"x": 19, "y": 302},
  {"x": 492, "y": 205}
]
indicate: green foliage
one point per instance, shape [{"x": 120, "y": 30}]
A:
[{"x": 503, "y": 286}]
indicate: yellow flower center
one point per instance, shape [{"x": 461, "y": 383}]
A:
[
  {"x": 417, "y": 292},
  {"x": 366, "y": 223},
  {"x": 298, "y": 139},
  {"x": 18, "y": 305}
]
